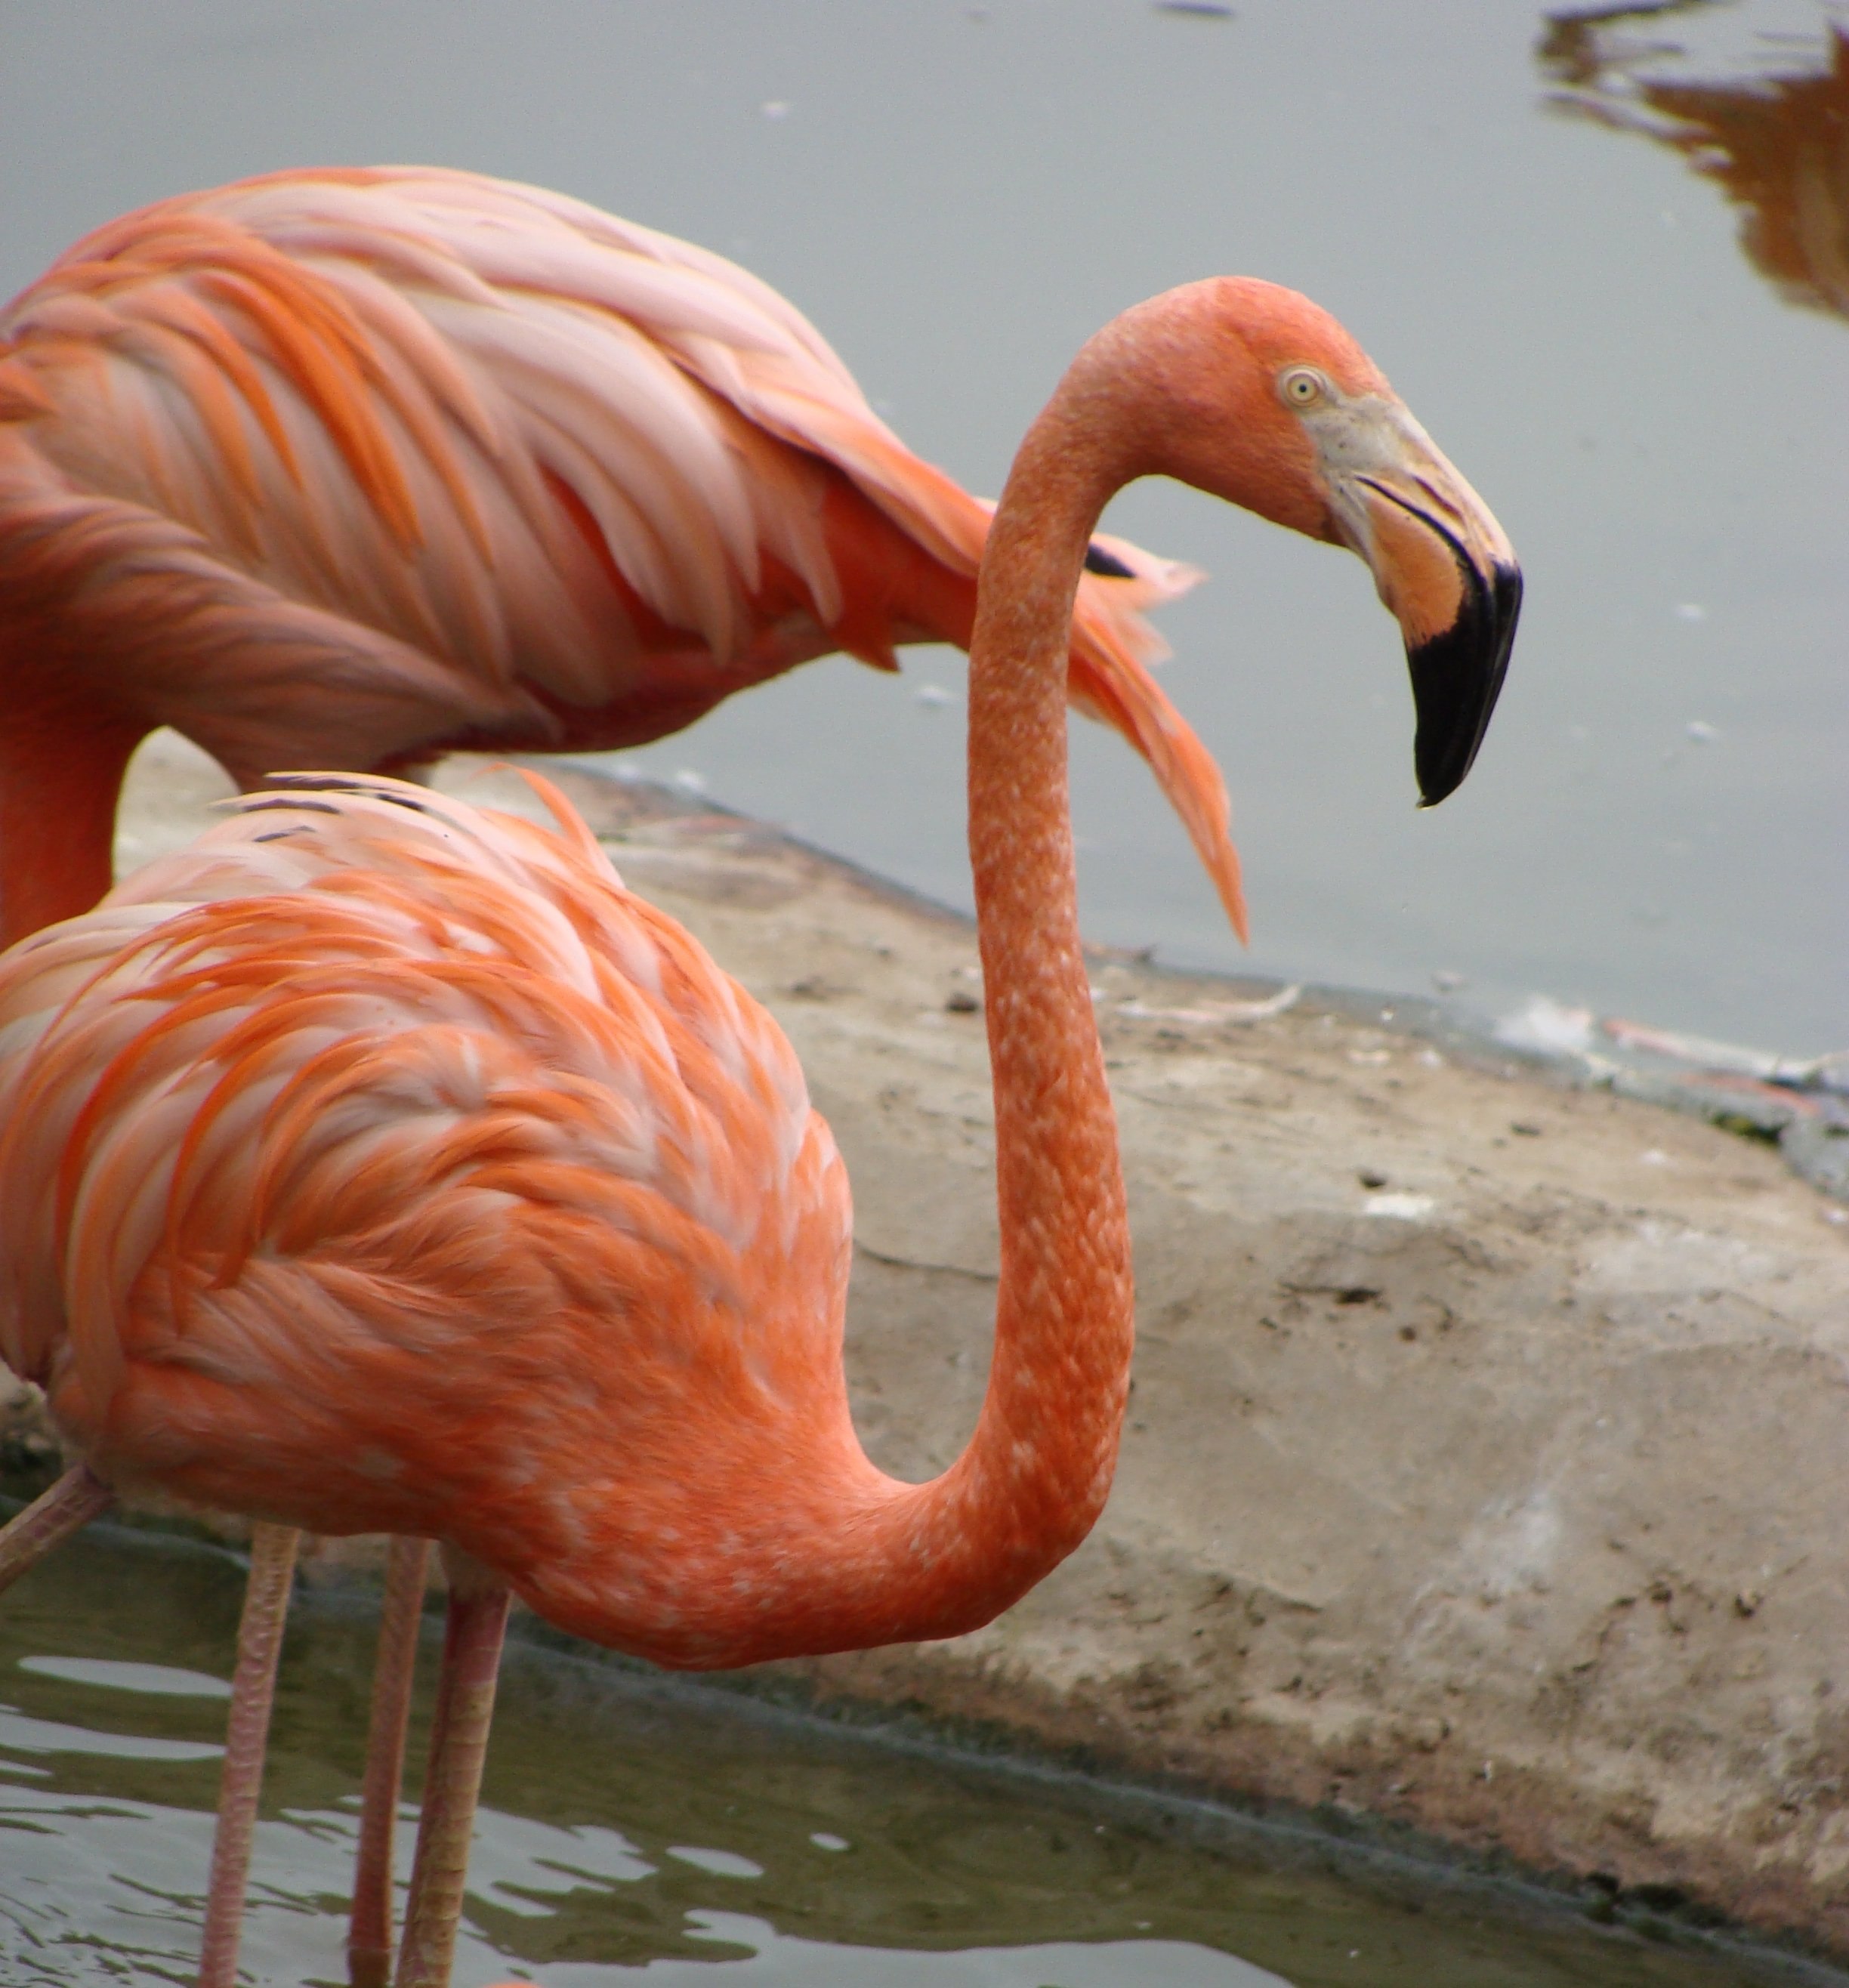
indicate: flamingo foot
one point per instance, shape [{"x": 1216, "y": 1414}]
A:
[
  {"x": 458, "y": 1743},
  {"x": 369, "y": 1942},
  {"x": 77, "y": 1497},
  {"x": 272, "y": 1565}
]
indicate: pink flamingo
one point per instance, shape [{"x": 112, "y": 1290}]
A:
[
  {"x": 348, "y": 467},
  {"x": 382, "y": 1164}
]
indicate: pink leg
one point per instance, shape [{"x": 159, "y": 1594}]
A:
[
  {"x": 459, "y": 1743},
  {"x": 369, "y": 1942},
  {"x": 272, "y": 1565},
  {"x": 77, "y": 1498}
]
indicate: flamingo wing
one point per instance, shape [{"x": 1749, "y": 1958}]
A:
[
  {"x": 379, "y": 1163},
  {"x": 354, "y": 464}
]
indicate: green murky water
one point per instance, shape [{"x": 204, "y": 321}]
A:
[{"x": 633, "y": 1831}]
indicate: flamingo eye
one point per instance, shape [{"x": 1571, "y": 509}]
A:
[{"x": 1301, "y": 387}]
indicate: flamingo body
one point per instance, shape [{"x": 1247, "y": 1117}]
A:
[
  {"x": 352, "y": 467},
  {"x": 380, "y": 1164}
]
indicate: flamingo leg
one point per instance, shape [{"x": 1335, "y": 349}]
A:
[
  {"x": 368, "y": 1941},
  {"x": 77, "y": 1497},
  {"x": 459, "y": 1743},
  {"x": 272, "y": 1565}
]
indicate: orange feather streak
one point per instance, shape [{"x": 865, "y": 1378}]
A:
[{"x": 351, "y": 468}]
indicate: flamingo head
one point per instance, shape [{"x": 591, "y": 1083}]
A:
[{"x": 1269, "y": 403}]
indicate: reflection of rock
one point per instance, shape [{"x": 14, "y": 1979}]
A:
[{"x": 1769, "y": 123}]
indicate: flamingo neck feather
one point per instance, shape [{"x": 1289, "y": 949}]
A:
[{"x": 894, "y": 1562}]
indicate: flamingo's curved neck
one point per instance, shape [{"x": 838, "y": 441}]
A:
[
  {"x": 955, "y": 1552},
  {"x": 821, "y": 1551}
]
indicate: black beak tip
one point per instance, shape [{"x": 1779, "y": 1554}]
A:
[{"x": 1456, "y": 679}]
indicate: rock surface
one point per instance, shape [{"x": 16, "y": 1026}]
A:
[{"x": 1488, "y": 1438}]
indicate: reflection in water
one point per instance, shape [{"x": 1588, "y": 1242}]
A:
[
  {"x": 633, "y": 1832},
  {"x": 136, "y": 1867},
  {"x": 1768, "y": 119}
]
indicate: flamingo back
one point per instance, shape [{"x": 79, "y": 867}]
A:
[
  {"x": 348, "y": 466},
  {"x": 391, "y": 396},
  {"x": 380, "y": 1164}
]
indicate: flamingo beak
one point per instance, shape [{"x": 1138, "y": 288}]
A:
[
  {"x": 1457, "y": 674},
  {"x": 1444, "y": 567}
]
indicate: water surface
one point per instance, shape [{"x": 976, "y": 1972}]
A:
[
  {"x": 959, "y": 194},
  {"x": 636, "y": 1832}
]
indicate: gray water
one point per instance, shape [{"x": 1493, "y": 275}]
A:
[
  {"x": 959, "y": 193},
  {"x": 633, "y": 1830}
]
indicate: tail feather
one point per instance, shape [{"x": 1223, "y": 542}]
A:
[
  {"x": 1147, "y": 581},
  {"x": 1110, "y": 682},
  {"x": 1112, "y": 644}
]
